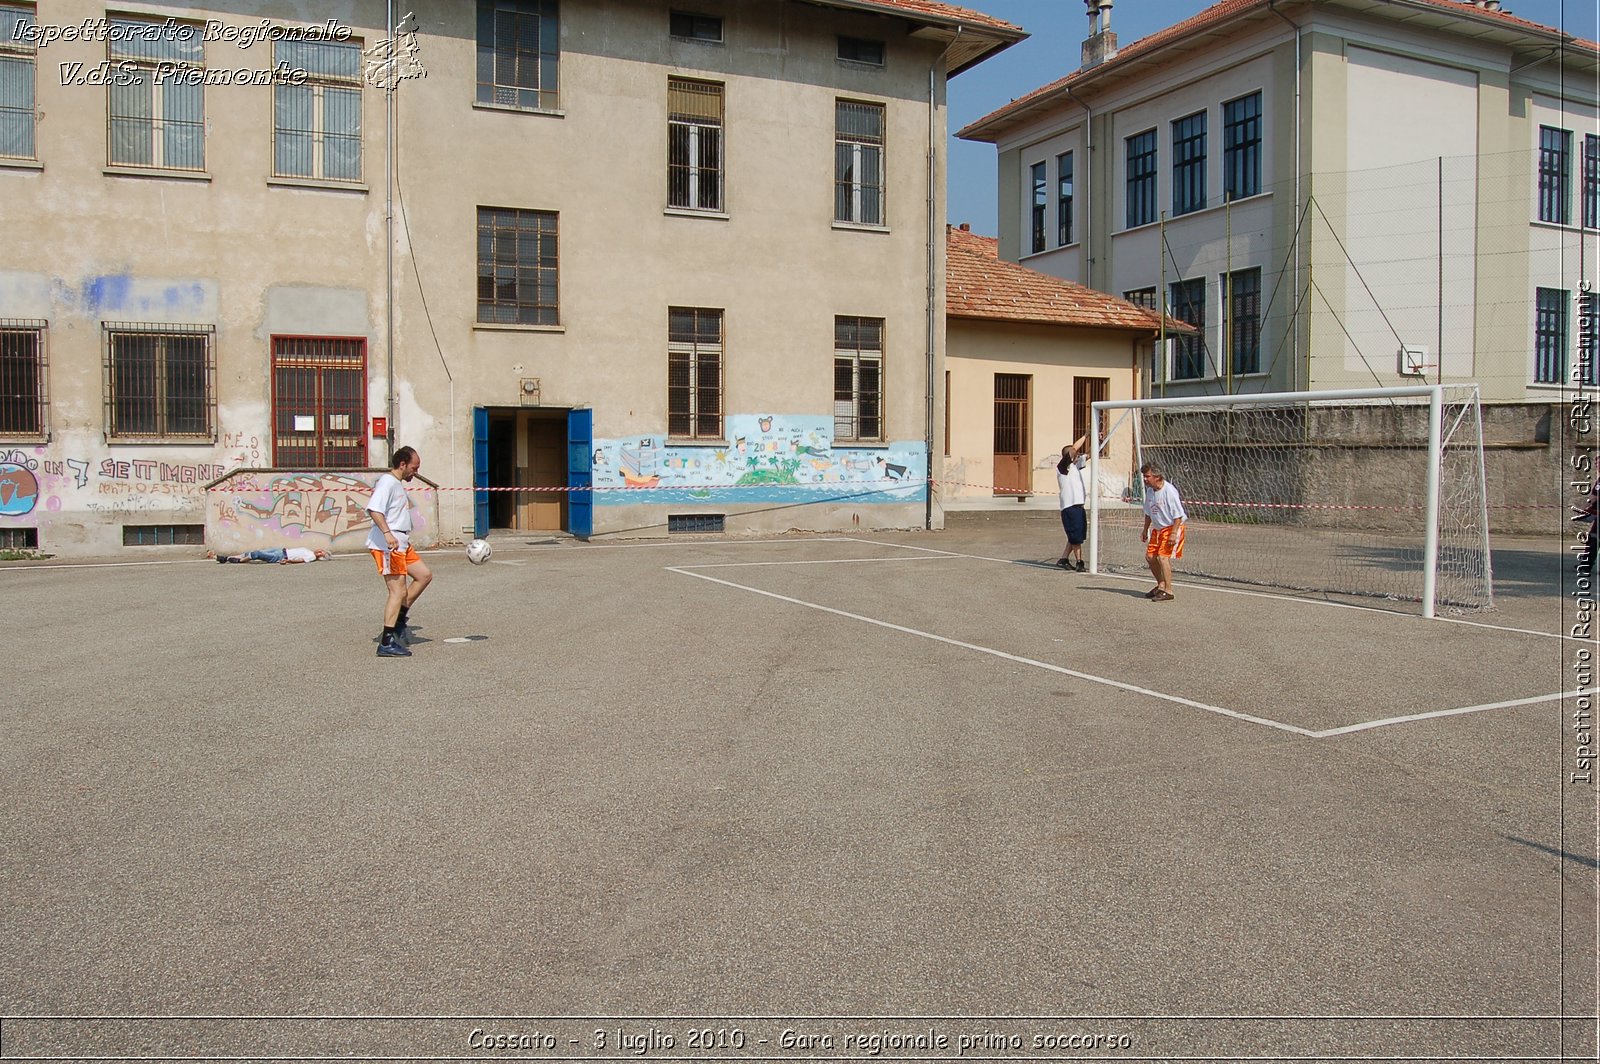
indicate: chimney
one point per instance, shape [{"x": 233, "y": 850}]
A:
[
  {"x": 966, "y": 227},
  {"x": 1102, "y": 43}
]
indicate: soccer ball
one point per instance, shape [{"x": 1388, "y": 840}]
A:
[{"x": 478, "y": 551}]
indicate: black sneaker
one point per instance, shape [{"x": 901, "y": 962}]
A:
[
  {"x": 393, "y": 650},
  {"x": 1082, "y": 568},
  {"x": 1062, "y": 563},
  {"x": 402, "y": 634}
]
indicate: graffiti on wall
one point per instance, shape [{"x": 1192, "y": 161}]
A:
[
  {"x": 766, "y": 458},
  {"x": 19, "y": 487},
  {"x": 328, "y": 504}
]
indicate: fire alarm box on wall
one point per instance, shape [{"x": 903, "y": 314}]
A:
[{"x": 380, "y": 428}]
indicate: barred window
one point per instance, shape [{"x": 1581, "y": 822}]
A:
[
  {"x": 319, "y": 402},
  {"x": 18, "y": 62},
  {"x": 1244, "y": 319},
  {"x": 156, "y": 121},
  {"x": 694, "y": 144},
  {"x": 519, "y": 53},
  {"x": 1064, "y": 199},
  {"x": 1141, "y": 205},
  {"x": 1241, "y": 147},
  {"x": 317, "y": 125},
  {"x": 694, "y": 373},
  {"x": 1189, "y": 352},
  {"x": 160, "y": 381},
  {"x": 1591, "y": 181},
  {"x": 24, "y": 404},
  {"x": 517, "y": 266},
  {"x": 1040, "y": 202},
  {"x": 857, "y": 378},
  {"x": 1550, "y": 335},
  {"x": 858, "y": 163},
  {"x": 1555, "y": 173},
  {"x": 1189, "y": 163}
]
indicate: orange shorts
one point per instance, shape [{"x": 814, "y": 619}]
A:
[
  {"x": 1166, "y": 542},
  {"x": 394, "y": 562}
]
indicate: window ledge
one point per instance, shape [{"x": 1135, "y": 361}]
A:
[
  {"x": 1198, "y": 213},
  {"x": 21, "y": 164},
  {"x": 1561, "y": 389},
  {"x": 690, "y": 212},
  {"x": 511, "y": 108},
  {"x": 161, "y": 441},
  {"x": 860, "y": 445},
  {"x": 695, "y": 441},
  {"x": 318, "y": 182},
  {"x": 1561, "y": 227},
  {"x": 1048, "y": 251},
  {"x": 861, "y": 227},
  {"x": 508, "y": 326},
  {"x": 148, "y": 171}
]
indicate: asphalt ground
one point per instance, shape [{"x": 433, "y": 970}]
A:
[{"x": 875, "y": 785}]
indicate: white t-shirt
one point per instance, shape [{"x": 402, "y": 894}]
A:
[
  {"x": 1074, "y": 492},
  {"x": 389, "y": 499},
  {"x": 300, "y": 554},
  {"x": 1162, "y": 505}
]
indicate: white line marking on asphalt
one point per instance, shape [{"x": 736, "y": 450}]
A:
[
  {"x": 1511, "y": 704},
  {"x": 1008, "y": 657}
]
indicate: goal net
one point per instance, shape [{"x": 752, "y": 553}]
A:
[{"x": 1376, "y": 491}]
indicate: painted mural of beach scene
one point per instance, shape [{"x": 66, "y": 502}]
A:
[{"x": 766, "y": 458}]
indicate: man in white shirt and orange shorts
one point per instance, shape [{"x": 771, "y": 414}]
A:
[
  {"x": 390, "y": 543},
  {"x": 1164, "y": 521}
]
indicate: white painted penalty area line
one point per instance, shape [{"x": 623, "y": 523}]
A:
[
  {"x": 1511, "y": 704},
  {"x": 1104, "y": 681},
  {"x": 1263, "y": 594},
  {"x": 813, "y": 561}
]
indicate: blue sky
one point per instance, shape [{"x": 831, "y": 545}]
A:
[{"x": 1058, "y": 28}]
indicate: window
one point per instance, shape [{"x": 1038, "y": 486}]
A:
[
  {"x": 694, "y": 144},
  {"x": 1244, "y": 319},
  {"x": 1040, "y": 201},
  {"x": 1142, "y": 297},
  {"x": 317, "y": 125},
  {"x": 17, "y": 63},
  {"x": 1189, "y": 352},
  {"x": 1241, "y": 147},
  {"x": 858, "y": 163},
  {"x": 319, "y": 402},
  {"x": 857, "y": 378},
  {"x": 1141, "y": 209},
  {"x": 1087, "y": 390},
  {"x": 1591, "y": 181},
  {"x": 23, "y": 401},
  {"x": 157, "y": 99},
  {"x": 861, "y": 50},
  {"x": 517, "y": 267},
  {"x": 160, "y": 381},
  {"x": 1550, "y": 336},
  {"x": 519, "y": 53},
  {"x": 1555, "y": 170},
  {"x": 1064, "y": 199},
  {"x": 1189, "y": 163},
  {"x": 690, "y": 27},
  {"x": 694, "y": 373}
]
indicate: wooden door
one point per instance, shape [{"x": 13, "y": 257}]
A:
[
  {"x": 546, "y": 468},
  {"x": 1013, "y": 428}
]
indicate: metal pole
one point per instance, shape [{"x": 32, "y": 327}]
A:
[
  {"x": 1094, "y": 489},
  {"x": 1430, "y": 549},
  {"x": 388, "y": 212}
]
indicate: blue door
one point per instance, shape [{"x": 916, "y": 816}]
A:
[
  {"x": 480, "y": 471},
  {"x": 580, "y": 473}
]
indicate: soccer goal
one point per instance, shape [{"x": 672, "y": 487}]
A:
[{"x": 1375, "y": 491}]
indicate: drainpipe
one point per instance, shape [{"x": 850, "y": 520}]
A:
[
  {"x": 1294, "y": 364},
  {"x": 934, "y": 234},
  {"x": 388, "y": 220},
  {"x": 1088, "y": 187}
]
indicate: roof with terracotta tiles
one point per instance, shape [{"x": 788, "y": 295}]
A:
[
  {"x": 1220, "y": 13},
  {"x": 945, "y": 11},
  {"x": 979, "y": 284}
]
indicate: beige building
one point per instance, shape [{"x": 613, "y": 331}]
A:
[
  {"x": 1027, "y": 353},
  {"x": 678, "y": 267},
  {"x": 1339, "y": 193}
]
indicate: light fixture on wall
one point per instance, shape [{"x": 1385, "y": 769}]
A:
[{"x": 529, "y": 391}]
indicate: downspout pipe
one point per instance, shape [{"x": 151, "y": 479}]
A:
[
  {"x": 934, "y": 236},
  {"x": 388, "y": 226},
  {"x": 1294, "y": 363}
]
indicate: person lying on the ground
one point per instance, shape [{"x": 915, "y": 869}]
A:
[{"x": 276, "y": 555}]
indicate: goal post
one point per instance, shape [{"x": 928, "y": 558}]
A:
[{"x": 1362, "y": 491}]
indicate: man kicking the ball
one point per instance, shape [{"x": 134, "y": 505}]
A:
[{"x": 390, "y": 543}]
